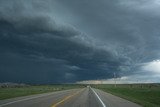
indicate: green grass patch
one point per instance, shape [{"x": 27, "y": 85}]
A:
[
  {"x": 147, "y": 95},
  {"x": 6, "y": 93}
]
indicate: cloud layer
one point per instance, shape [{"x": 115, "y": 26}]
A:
[{"x": 68, "y": 41}]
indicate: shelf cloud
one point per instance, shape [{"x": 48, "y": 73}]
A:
[{"x": 70, "y": 41}]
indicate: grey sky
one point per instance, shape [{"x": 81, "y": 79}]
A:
[{"x": 57, "y": 41}]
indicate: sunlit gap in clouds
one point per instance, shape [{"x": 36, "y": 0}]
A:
[
  {"x": 153, "y": 66},
  {"x": 151, "y": 71}
]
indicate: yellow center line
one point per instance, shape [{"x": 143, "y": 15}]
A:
[{"x": 64, "y": 99}]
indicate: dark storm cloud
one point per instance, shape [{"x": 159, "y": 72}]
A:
[
  {"x": 29, "y": 54},
  {"x": 128, "y": 27},
  {"x": 68, "y": 41}
]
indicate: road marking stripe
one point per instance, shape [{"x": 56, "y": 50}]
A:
[
  {"x": 98, "y": 98},
  {"x": 25, "y": 99},
  {"x": 65, "y": 99}
]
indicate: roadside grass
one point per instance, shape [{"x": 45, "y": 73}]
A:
[
  {"x": 147, "y": 95},
  {"x": 6, "y": 93}
]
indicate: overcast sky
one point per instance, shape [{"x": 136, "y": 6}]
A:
[{"x": 65, "y": 41}]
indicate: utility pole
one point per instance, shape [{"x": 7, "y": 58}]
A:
[{"x": 115, "y": 80}]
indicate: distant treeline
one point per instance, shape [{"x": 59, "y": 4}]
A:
[
  {"x": 139, "y": 85},
  {"x": 19, "y": 85},
  {"x": 12, "y": 85}
]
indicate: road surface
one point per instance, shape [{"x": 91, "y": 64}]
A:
[{"x": 86, "y": 97}]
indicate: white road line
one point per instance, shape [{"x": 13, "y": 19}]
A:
[
  {"x": 26, "y": 99},
  {"x": 23, "y": 100},
  {"x": 98, "y": 98}
]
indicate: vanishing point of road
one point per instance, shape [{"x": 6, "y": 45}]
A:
[{"x": 86, "y": 97}]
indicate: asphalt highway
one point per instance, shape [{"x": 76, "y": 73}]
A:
[{"x": 86, "y": 97}]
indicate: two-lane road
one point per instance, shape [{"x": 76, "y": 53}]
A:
[{"x": 86, "y": 97}]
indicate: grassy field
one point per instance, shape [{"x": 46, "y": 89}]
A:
[
  {"x": 147, "y": 95},
  {"x": 6, "y": 93}
]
